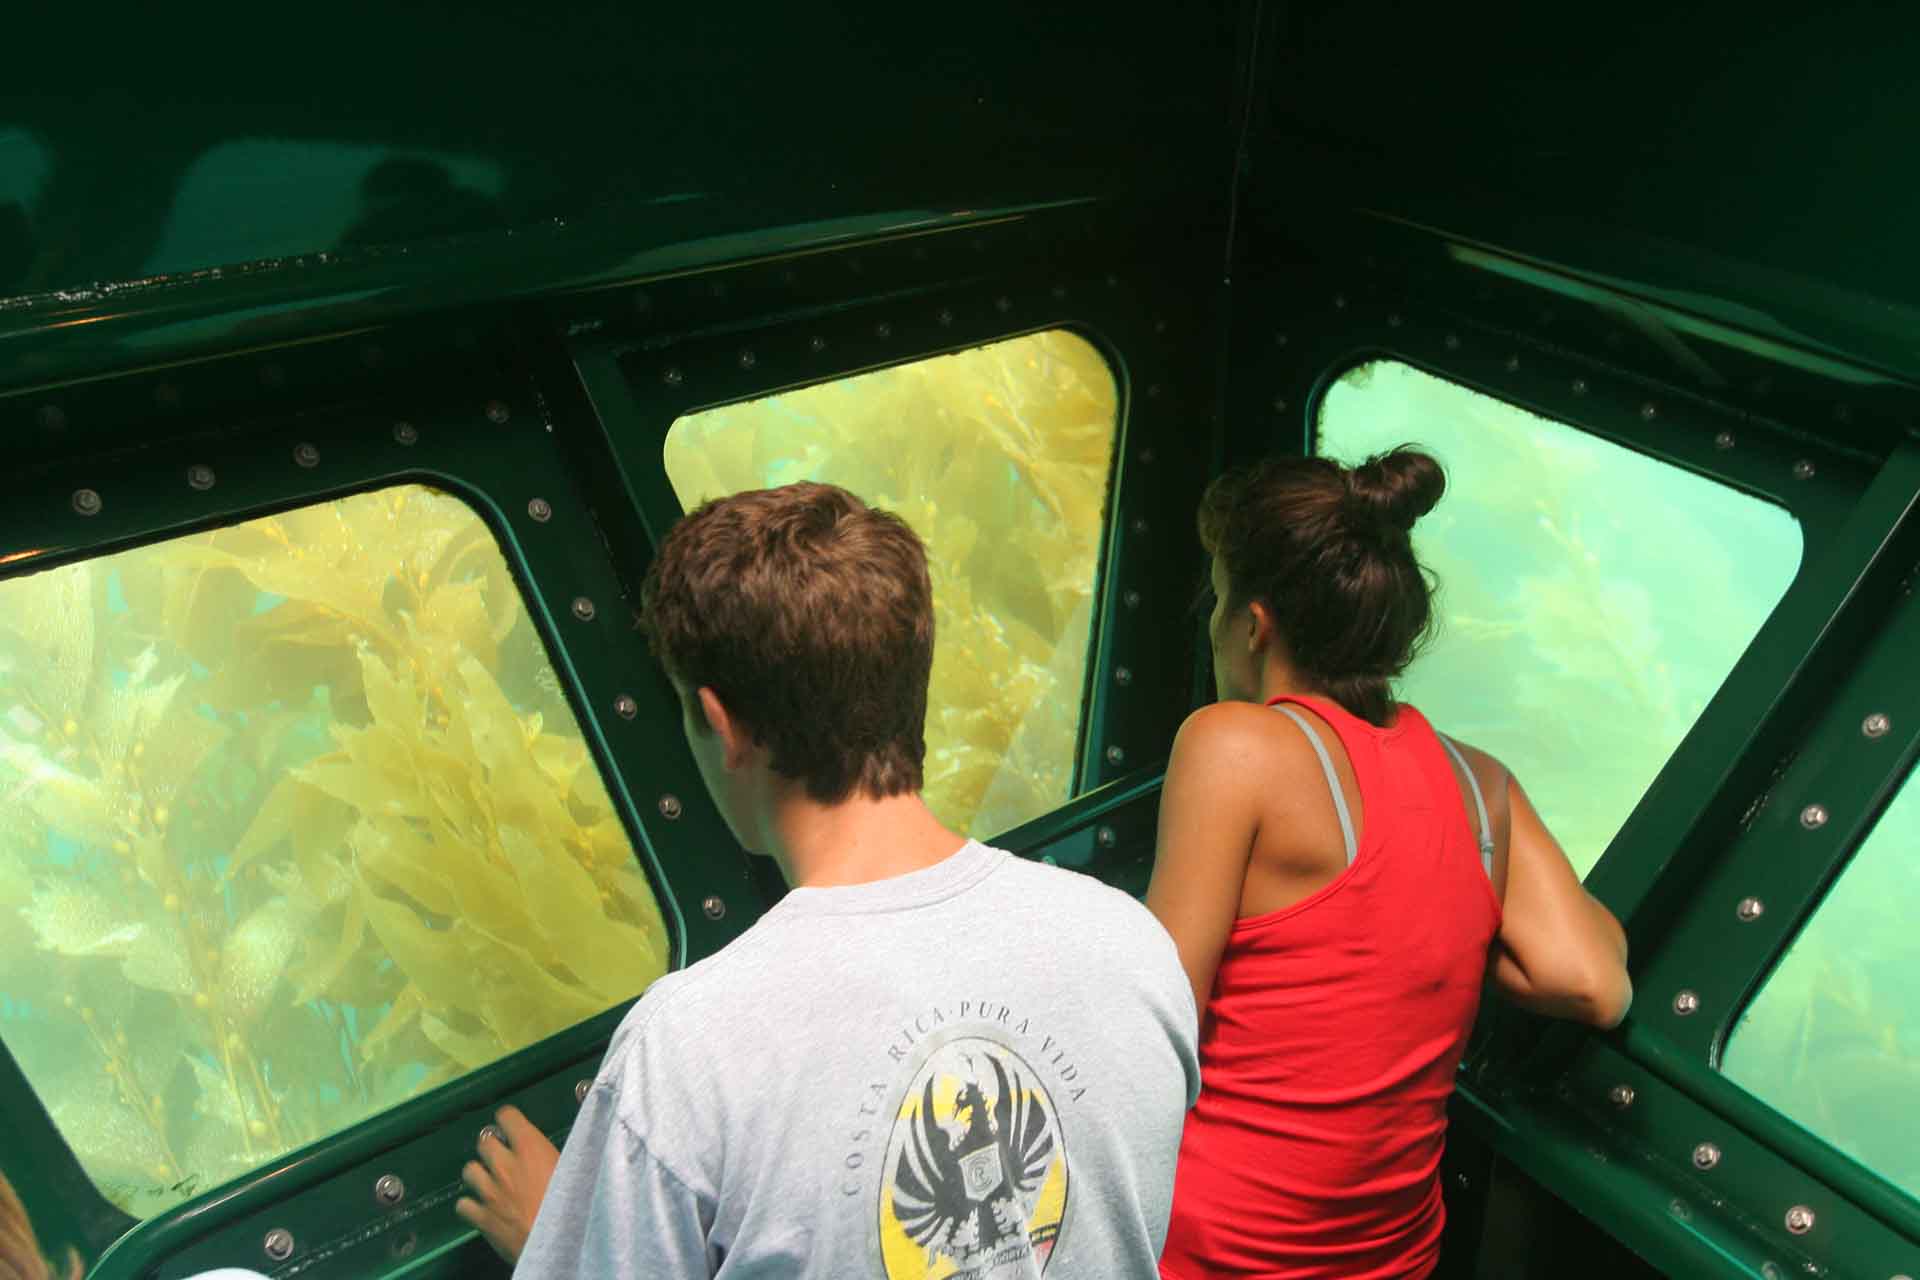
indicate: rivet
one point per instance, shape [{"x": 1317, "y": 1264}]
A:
[
  {"x": 673, "y": 377},
  {"x": 1803, "y": 470},
  {"x": 1723, "y": 441},
  {"x": 200, "y": 476},
  {"x": 1279, "y": 404},
  {"x": 1153, "y": 391},
  {"x": 1902, "y": 1276},
  {"x": 1159, "y": 326},
  {"x": 278, "y": 1244},
  {"x": 1393, "y": 320},
  {"x": 1649, "y": 411},
  {"x": 1281, "y": 339},
  {"x": 670, "y": 807},
  {"x": 581, "y": 1088},
  {"x": 713, "y": 907},
  {"x": 1799, "y": 1219},
  {"x": 816, "y": 344},
  {"x": 404, "y": 1246},
  {"x": 1452, "y": 342},
  {"x": 1123, "y": 675},
  {"x": 1130, "y": 598},
  {"x": 1113, "y": 281},
  {"x": 1749, "y": 910},
  {"x": 883, "y": 330},
  {"x": 306, "y": 455},
  {"x": 1705, "y": 1156},
  {"x": 52, "y": 417},
  {"x": 748, "y": 359},
  {"x": 1059, "y": 291},
  {"x": 1116, "y": 755},
  {"x": 1813, "y": 816},
  {"x": 583, "y": 608},
  {"x": 1148, "y": 457},
  {"x": 389, "y": 1190},
  {"x": 1106, "y": 837},
  {"x": 1513, "y": 364},
  {"x": 1876, "y": 725},
  {"x": 1339, "y": 302},
  {"x": 86, "y": 502},
  {"x": 497, "y": 412},
  {"x": 1770, "y": 1271},
  {"x": 405, "y": 433},
  {"x": 1686, "y": 1002},
  {"x": 1842, "y": 413},
  {"x": 625, "y": 707},
  {"x": 1003, "y": 304},
  {"x": 1679, "y": 1209},
  {"x": 1621, "y": 1095},
  {"x": 1579, "y": 386},
  {"x": 491, "y": 1131},
  {"x": 1139, "y": 524},
  {"x": 945, "y": 317},
  {"x": 540, "y": 509}
]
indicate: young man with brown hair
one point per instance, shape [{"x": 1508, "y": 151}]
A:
[{"x": 931, "y": 1057}]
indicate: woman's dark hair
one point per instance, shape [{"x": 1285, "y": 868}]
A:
[{"x": 1327, "y": 550}]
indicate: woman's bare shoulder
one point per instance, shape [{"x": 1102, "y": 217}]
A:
[{"x": 1225, "y": 733}]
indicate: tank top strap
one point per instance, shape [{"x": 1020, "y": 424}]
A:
[
  {"x": 1333, "y": 778},
  {"x": 1483, "y": 828}
]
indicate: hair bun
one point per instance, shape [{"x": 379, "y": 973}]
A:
[{"x": 1395, "y": 488}]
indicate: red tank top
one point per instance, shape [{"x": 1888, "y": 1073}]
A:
[{"x": 1329, "y": 1044}]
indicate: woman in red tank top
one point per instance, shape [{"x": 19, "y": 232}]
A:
[{"x": 1339, "y": 879}]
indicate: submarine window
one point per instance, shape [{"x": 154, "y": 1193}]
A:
[
  {"x": 1832, "y": 1039},
  {"x": 295, "y": 824},
  {"x": 1000, "y": 459},
  {"x": 1610, "y": 592}
]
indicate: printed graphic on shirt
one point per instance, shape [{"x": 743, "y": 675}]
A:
[{"x": 975, "y": 1181}]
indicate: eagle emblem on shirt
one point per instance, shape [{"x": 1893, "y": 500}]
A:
[{"x": 976, "y": 1173}]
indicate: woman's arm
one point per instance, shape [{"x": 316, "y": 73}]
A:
[
  {"x": 1559, "y": 952},
  {"x": 1209, "y": 815}
]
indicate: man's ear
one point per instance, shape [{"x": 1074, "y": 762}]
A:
[{"x": 736, "y": 743}]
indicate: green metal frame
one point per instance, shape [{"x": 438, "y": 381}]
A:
[{"x": 488, "y": 445}]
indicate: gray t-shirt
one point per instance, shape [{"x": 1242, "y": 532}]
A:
[{"x": 977, "y": 1070}]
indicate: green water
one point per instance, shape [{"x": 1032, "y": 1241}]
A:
[
  {"x": 294, "y": 824},
  {"x": 1590, "y": 601}
]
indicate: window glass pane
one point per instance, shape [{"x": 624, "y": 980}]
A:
[
  {"x": 294, "y": 824},
  {"x": 1833, "y": 1038},
  {"x": 1591, "y": 599},
  {"x": 999, "y": 459}
]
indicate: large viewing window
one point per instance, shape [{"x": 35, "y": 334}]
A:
[
  {"x": 999, "y": 458},
  {"x": 295, "y": 823},
  {"x": 1832, "y": 1040},
  {"x": 1591, "y": 599}
]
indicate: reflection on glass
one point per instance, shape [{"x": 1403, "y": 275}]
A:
[
  {"x": 1591, "y": 599},
  {"x": 294, "y": 824},
  {"x": 1832, "y": 1040},
  {"x": 999, "y": 458}
]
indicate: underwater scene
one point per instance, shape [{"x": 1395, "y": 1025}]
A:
[
  {"x": 1018, "y": 435},
  {"x": 1590, "y": 599},
  {"x": 295, "y": 824},
  {"x": 1832, "y": 1040}
]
